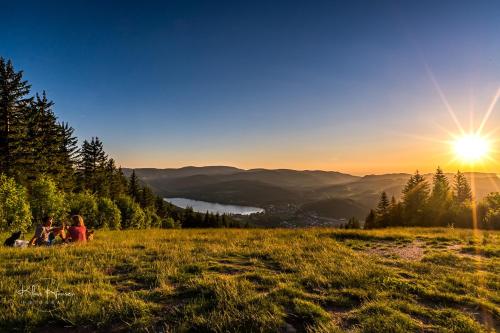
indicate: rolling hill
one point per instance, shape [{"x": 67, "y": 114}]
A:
[{"x": 324, "y": 193}]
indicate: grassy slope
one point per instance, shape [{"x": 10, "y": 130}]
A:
[{"x": 319, "y": 280}]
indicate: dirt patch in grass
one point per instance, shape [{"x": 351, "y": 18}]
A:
[{"x": 412, "y": 251}]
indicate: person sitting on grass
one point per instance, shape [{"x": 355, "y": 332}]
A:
[
  {"x": 77, "y": 232},
  {"x": 45, "y": 233}
]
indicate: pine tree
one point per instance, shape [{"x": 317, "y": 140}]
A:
[
  {"x": 92, "y": 165},
  {"x": 353, "y": 223},
  {"x": 206, "y": 220},
  {"x": 393, "y": 201},
  {"x": 67, "y": 156},
  {"x": 147, "y": 198},
  {"x": 13, "y": 109},
  {"x": 439, "y": 201},
  {"x": 382, "y": 213},
  {"x": 370, "y": 220},
  {"x": 441, "y": 186},
  {"x": 383, "y": 204},
  {"x": 395, "y": 213},
  {"x": 118, "y": 184},
  {"x": 463, "y": 192},
  {"x": 415, "y": 197},
  {"x": 133, "y": 186},
  {"x": 42, "y": 140},
  {"x": 162, "y": 208}
]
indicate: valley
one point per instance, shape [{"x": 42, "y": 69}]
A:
[{"x": 290, "y": 198}]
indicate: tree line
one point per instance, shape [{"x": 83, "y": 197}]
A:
[
  {"x": 44, "y": 172},
  {"x": 437, "y": 205}
]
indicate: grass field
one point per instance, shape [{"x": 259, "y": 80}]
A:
[{"x": 314, "y": 280}]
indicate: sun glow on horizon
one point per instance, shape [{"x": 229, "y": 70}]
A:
[{"x": 471, "y": 148}]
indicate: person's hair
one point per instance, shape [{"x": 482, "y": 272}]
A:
[
  {"x": 77, "y": 221},
  {"x": 46, "y": 219}
]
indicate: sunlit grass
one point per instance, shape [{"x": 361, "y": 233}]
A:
[{"x": 319, "y": 280}]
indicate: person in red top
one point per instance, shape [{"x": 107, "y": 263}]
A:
[{"x": 77, "y": 232}]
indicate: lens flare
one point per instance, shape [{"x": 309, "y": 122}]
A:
[{"x": 471, "y": 148}]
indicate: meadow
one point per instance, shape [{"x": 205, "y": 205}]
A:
[{"x": 257, "y": 280}]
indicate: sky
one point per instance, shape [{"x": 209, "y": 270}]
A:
[{"x": 353, "y": 86}]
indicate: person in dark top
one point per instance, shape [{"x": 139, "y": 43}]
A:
[
  {"x": 42, "y": 233},
  {"x": 45, "y": 233}
]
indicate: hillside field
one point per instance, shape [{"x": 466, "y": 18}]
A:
[{"x": 256, "y": 280}]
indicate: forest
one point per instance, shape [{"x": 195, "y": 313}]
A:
[{"x": 44, "y": 172}]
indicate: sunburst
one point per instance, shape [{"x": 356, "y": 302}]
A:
[{"x": 471, "y": 148}]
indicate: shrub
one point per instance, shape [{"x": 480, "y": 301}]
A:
[
  {"x": 108, "y": 214},
  {"x": 84, "y": 204},
  {"x": 492, "y": 218},
  {"x": 133, "y": 217},
  {"x": 152, "y": 219},
  {"x": 168, "y": 223},
  {"x": 15, "y": 213},
  {"x": 47, "y": 200}
]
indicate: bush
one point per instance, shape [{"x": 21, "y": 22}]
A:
[
  {"x": 133, "y": 217},
  {"x": 15, "y": 213},
  {"x": 152, "y": 219},
  {"x": 492, "y": 205},
  {"x": 461, "y": 216},
  {"x": 108, "y": 215},
  {"x": 168, "y": 223},
  {"x": 47, "y": 200},
  {"x": 84, "y": 204}
]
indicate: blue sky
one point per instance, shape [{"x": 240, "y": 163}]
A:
[{"x": 337, "y": 85}]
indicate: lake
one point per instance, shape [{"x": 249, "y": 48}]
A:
[{"x": 213, "y": 207}]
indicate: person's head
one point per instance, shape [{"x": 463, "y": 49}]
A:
[
  {"x": 77, "y": 221},
  {"x": 47, "y": 221}
]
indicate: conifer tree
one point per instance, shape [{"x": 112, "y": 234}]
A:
[
  {"x": 133, "y": 186},
  {"x": 441, "y": 186},
  {"x": 118, "y": 184},
  {"x": 463, "y": 192},
  {"x": 439, "y": 201},
  {"x": 13, "y": 107},
  {"x": 353, "y": 223},
  {"x": 370, "y": 220},
  {"x": 415, "y": 197},
  {"x": 68, "y": 156},
  {"x": 161, "y": 207},
  {"x": 383, "y": 206},
  {"x": 395, "y": 213},
  {"x": 206, "y": 220},
  {"x": 92, "y": 165},
  {"x": 147, "y": 198},
  {"x": 42, "y": 140}
]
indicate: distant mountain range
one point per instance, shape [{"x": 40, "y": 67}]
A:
[{"x": 325, "y": 193}]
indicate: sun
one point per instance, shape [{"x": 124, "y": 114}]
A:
[{"x": 471, "y": 148}]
